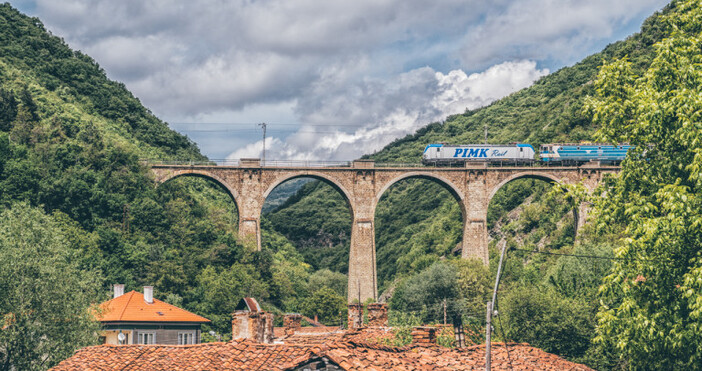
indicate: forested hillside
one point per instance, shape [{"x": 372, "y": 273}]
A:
[
  {"x": 417, "y": 222},
  {"x": 71, "y": 178},
  {"x": 71, "y": 142}
]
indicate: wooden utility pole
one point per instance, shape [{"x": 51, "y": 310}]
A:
[
  {"x": 488, "y": 330},
  {"x": 444, "y": 311},
  {"x": 490, "y": 313}
]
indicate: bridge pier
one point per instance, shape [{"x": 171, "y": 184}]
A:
[
  {"x": 475, "y": 204},
  {"x": 250, "y": 231},
  {"x": 475, "y": 242},
  {"x": 362, "y": 273}
]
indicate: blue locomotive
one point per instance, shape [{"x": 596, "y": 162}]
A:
[
  {"x": 557, "y": 153},
  {"x": 569, "y": 153}
]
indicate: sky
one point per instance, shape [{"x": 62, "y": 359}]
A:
[{"x": 333, "y": 80}]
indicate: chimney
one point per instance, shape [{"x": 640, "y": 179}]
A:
[
  {"x": 118, "y": 289},
  {"x": 149, "y": 294},
  {"x": 267, "y": 325},
  {"x": 355, "y": 319},
  {"x": 424, "y": 335},
  {"x": 292, "y": 322},
  {"x": 256, "y": 326},
  {"x": 378, "y": 315}
]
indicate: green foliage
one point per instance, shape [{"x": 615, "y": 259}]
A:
[
  {"x": 417, "y": 222},
  {"x": 47, "y": 304},
  {"x": 327, "y": 278},
  {"x": 318, "y": 225},
  {"x": 220, "y": 290},
  {"x": 544, "y": 319},
  {"x": 651, "y": 303},
  {"x": 327, "y": 305},
  {"x": 574, "y": 277},
  {"x": 462, "y": 286},
  {"x": 402, "y": 324}
]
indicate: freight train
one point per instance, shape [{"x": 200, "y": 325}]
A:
[{"x": 520, "y": 153}]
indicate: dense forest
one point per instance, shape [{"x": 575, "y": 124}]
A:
[{"x": 72, "y": 179}]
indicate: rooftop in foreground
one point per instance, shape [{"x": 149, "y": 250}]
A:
[{"x": 342, "y": 351}]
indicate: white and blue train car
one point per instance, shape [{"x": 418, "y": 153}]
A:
[
  {"x": 578, "y": 153},
  {"x": 448, "y": 154}
]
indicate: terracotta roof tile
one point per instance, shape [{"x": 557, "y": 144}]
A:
[
  {"x": 349, "y": 355},
  {"x": 131, "y": 307}
]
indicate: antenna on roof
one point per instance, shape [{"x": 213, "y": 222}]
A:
[{"x": 263, "y": 125}]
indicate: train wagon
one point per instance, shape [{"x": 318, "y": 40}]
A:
[
  {"x": 573, "y": 153},
  {"x": 451, "y": 154}
]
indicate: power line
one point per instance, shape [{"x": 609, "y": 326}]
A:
[
  {"x": 588, "y": 256},
  {"x": 255, "y": 131},
  {"x": 504, "y": 337},
  {"x": 256, "y": 123}
]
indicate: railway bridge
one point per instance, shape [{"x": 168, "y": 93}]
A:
[{"x": 362, "y": 184}]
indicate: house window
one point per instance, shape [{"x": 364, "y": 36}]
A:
[
  {"x": 185, "y": 338},
  {"x": 147, "y": 338}
]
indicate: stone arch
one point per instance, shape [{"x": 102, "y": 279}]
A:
[
  {"x": 447, "y": 184},
  {"x": 315, "y": 175},
  {"x": 207, "y": 175},
  {"x": 547, "y": 177},
  {"x": 544, "y": 176}
]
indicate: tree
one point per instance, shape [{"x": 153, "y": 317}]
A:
[
  {"x": 327, "y": 305},
  {"x": 8, "y": 109},
  {"x": 652, "y": 301},
  {"x": 427, "y": 291},
  {"x": 220, "y": 289},
  {"x": 326, "y": 278},
  {"x": 546, "y": 320},
  {"x": 48, "y": 304}
]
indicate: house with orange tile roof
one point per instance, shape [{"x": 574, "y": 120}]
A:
[{"x": 138, "y": 318}]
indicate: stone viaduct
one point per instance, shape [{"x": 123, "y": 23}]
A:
[{"x": 362, "y": 184}]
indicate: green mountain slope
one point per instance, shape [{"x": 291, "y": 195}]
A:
[
  {"x": 72, "y": 88},
  {"x": 71, "y": 141},
  {"x": 549, "y": 111}
]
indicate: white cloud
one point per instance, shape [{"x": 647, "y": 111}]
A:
[
  {"x": 549, "y": 29},
  {"x": 381, "y": 68},
  {"x": 391, "y": 109}
]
